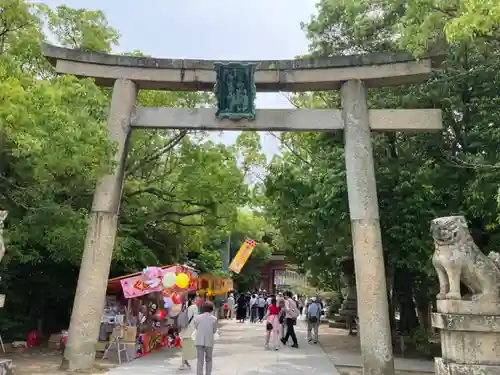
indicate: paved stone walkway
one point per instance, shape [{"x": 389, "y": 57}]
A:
[{"x": 240, "y": 351}]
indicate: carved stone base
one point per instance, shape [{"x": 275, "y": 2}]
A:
[
  {"x": 478, "y": 307},
  {"x": 470, "y": 337},
  {"x": 444, "y": 367},
  {"x": 6, "y": 367}
]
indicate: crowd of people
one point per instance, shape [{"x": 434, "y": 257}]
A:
[{"x": 280, "y": 313}]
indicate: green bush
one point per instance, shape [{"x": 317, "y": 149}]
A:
[
  {"x": 333, "y": 301},
  {"x": 420, "y": 340}
]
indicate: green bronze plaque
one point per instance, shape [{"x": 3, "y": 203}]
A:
[{"x": 235, "y": 91}]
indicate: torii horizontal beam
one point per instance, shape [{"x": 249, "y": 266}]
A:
[
  {"x": 321, "y": 120},
  {"x": 375, "y": 70}
]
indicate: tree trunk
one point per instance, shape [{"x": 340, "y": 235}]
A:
[
  {"x": 391, "y": 300},
  {"x": 424, "y": 309},
  {"x": 404, "y": 295}
]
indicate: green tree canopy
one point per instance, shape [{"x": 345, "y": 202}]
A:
[
  {"x": 180, "y": 187},
  {"x": 419, "y": 176}
]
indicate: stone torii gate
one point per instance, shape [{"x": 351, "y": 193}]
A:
[{"x": 351, "y": 74}]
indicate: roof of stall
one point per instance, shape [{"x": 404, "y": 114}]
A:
[{"x": 114, "y": 285}]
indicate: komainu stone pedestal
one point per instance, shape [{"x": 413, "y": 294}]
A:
[{"x": 470, "y": 337}]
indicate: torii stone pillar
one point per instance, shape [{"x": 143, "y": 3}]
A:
[
  {"x": 373, "y": 307},
  {"x": 97, "y": 253}
]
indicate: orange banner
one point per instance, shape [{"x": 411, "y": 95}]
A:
[{"x": 242, "y": 256}]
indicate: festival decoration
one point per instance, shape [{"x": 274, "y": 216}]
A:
[
  {"x": 182, "y": 280},
  {"x": 153, "y": 308},
  {"x": 135, "y": 286},
  {"x": 160, "y": 315},
  {"x": 149, "y": 342},
  {"x": 167, "y": 302},
  {"x": 169, "y": 279},
  {"x": 242, "y": 256},
  {"x": 214, "y": 284},
  {"x": 152, "y": 276},
  {"x": 176, "y": 299},
  {"x": 174, "y": 310}
]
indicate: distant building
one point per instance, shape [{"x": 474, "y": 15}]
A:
[{"x": 277, "y": 275}]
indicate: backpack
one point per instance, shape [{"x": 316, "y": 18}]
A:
[
  {"x": 183, "y": 318},
  {"x": 294, "y": 311},
  {"x": 314, "y": 312}
]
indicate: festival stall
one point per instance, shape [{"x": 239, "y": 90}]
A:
[
  {"x": 211, "y": 285},
  {"x": 141, "y": 307}
]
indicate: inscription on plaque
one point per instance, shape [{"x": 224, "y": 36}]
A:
[{"x": 235, "y": 91}]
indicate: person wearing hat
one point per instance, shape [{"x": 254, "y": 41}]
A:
[{"x": 313, "y": 317}]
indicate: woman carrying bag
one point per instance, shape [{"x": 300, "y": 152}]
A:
[
  {"x": 188, "y": 345},
  {"x": 273, "y": 325}
]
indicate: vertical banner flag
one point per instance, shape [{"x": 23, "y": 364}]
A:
[{"x": 242, "y": 256}]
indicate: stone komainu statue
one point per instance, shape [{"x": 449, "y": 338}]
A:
[{"x": 457, "y": 259}]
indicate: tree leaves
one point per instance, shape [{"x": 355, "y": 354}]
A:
[
  {"x": 419, "y": 176},
  {"x": 181, "y": 190}
]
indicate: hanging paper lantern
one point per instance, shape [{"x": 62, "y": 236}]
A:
[
  {"x": 182, "y": 280},
  {"x": 167, "y": 302},
  {"x": 174, "y": 311},
  {"x": 169, "y": 279}
]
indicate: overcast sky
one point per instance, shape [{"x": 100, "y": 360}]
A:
[{"x": 210, "y": 29}]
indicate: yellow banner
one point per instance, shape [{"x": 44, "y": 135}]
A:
[{"x": 242, "y": 256}]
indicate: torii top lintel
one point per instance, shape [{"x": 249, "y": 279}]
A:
[{"x": 376, "y": 70}]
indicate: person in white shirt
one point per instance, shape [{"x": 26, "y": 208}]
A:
[
  {"x": 281, "y": 304},
  {"x": 253, "y": 308},
  {"x": 230, "y": 306},
  {"x": 291, "y": 315},
  {"x": 188, "y": 347}
]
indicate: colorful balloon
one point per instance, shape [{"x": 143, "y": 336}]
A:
[
  {"x": 167, "y": 302},
  {"x": 176, "y": 299},
  {"x": 182, "y": 280},
  {"x": 174, "y": 310},
  {"x": 169, "y": 279}
]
